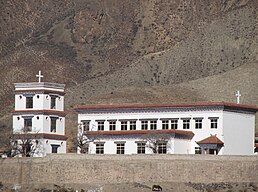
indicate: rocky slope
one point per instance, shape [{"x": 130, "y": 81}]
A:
[{"x": 132, "y": 52}]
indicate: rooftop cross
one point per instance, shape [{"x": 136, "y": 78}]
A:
[
  {"x": 238, "y": 95},
  {"x": 39, "y": 76}
]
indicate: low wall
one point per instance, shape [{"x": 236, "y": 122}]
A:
[{"x": 115, "y": 169}]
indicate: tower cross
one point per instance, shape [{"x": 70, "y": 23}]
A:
[
  {"x": 238, "y": 95},
  {"x": 39, "y": 76}
]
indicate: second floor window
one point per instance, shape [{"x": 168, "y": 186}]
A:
[
  {"x": 153, "y": 125},
  {"x": 29, "y": 102},
  {"x": 144, "y": 125},
  {"x": 123, "y": 125},
  {"x": 165, "y": 124},
  {"x": 27, "y": 125},
  {"x": 53, "y": 102},
  {"x": 198, "y": 123},
  {"x": 186, "y": 124},
  {"x": 174, "y": 124},
  {"x": 214, "y": 123},
  {"x": 112, "y": 125},
  {"x": 85, "y": 125},
  {"x": 132, "y": 125},
  {"x": 53, "y": 125},
  {"x": 100, "y": 125}
]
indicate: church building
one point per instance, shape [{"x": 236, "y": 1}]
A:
[
  {"x": 190, "y": 128},
  {"x": 39, "y": 117}
]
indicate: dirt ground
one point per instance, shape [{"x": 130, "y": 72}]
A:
[{"x": 137, "y": 187}]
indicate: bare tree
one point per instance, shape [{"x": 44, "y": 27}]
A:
[
  {"x": 82, "y": 141},
  {"x": 25, "y": 144},
  {"x": 155, "y": 141}
]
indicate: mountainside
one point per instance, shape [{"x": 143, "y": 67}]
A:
[{"x": 130, "y": 52}]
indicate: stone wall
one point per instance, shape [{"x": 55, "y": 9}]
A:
[{"x": 117, "y": 169}]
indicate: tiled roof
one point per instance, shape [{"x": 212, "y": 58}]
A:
[
  {"x": 228, "y": 106},
  {"x": 211, "y": 140},
  {"x": 40, "y": 136},
  {"x": 136, "y": 132},
  {"x": 47, "y": 112}
]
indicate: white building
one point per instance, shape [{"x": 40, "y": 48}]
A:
[
  {"x": 39, "y": 115},
  {"x": 207, "y": 128}
]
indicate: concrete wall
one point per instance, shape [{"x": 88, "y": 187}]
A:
[
  {"x": 113, "y": 169},
  {"x": 238, "y": 133}
]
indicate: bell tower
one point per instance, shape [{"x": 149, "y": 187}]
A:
[{"x": 39, "y": 115}]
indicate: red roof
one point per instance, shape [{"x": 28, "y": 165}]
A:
[
  {"x": 130, "y": 132},
  {"x": 211, "y": 140},
  {"x": 207, "y": 104}
]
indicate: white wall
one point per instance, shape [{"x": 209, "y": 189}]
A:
[
  {"x": 238, "y": 133},
  {"x": 41, "y": 103},
  {"x": 200, "y": 134},
  {"x": 182, "y": 146}
]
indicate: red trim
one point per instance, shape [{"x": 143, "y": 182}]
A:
[
  {"x": 40, "y": 136},
  {"x": 210, "y": 140},
  {"x": 40, "y": 91},
  {"x": 166, "y": 105},
  {"x": 131, "y": 132},
  {"x": 48, "y": 112}
]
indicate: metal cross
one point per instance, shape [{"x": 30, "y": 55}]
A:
[
  {"x": 238, "y": 95},
  {"x": 39, "y": 76}
]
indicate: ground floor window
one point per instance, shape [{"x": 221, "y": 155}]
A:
[
  {"x": 162, "y": 147},
  {"x": 120, "y": 148},
  {"x": 100, "y": 148},
  {"x": 55, "y": 148},
  {"x": 141, "y": 148},
  {"x": 198, "y": 150}
]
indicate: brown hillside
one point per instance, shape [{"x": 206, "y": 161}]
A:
[{"x": 134, "y": 52}]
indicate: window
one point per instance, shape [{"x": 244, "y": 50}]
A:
[
  {"x": 198, "y": 123},
  {"x": 144, "y": 125},
  {"x": 29, "y": 102},
  {"x": 53, "y": 124},
  {"x": 174, "y": 124},
  {"x": 198, "y": 150},
  {"x": 100, "y": 148},
  {"x": 100, "y": 125},
  {"x": 153, "y": 125},
  {"x": 53, "y": 102},
  {"x": 27, "y": 125},
  {"x": 124, "y": 125},
  {"x": 132, "y": 125},
  {"x": 141, "y": 148},
  {"x": 112, "y": 125},
  {"x": 120, "y": 148},
  {"x": 55, "y": 148},
  {"x": 186, "y": 124},
  {"x": 162, "y": 147},
  {"x": 214, "y": 123},
  {"x": 85, "y": 125},
  {"x": 165, "y": 124}
]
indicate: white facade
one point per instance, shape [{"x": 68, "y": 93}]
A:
[
  {"x": 39, "y": 113},
  {"x": 197, "y": 125}
]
